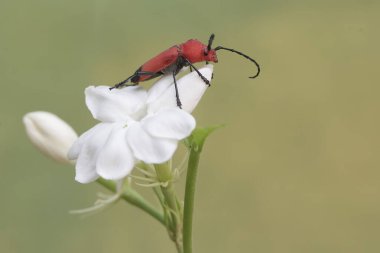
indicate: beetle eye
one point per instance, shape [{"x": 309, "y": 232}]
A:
[{"x": 205, "y": 51}]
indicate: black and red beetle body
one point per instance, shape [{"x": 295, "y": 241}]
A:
[{"x": 175, "y": 58}]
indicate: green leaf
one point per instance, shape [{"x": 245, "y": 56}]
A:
[{"x": 198, "y": 137}]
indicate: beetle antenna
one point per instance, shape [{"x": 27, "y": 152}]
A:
[
  {"x": 210, "y": 42},
  {"x": 245, "y": 56}
]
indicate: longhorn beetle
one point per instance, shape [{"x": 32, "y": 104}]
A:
[{"x": 175, "y": 58}]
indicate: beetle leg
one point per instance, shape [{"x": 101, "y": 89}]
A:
[
  {"x": 138, "y": 73},
  {"x": 118, "y": 85},
  {"x": 191, "y": 69},
  {"x": 199, "y": 73},
  {"x": 179, "y": 104}
]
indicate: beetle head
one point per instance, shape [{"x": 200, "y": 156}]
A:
[{"x": 210, "y": 55}]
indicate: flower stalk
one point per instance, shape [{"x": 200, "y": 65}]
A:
[
  {"x": 195, "y": 143},
  {"x": 165, "y": 176},
  {"x": 191, "y": 178},
  {"x": 134, "y": 198}
]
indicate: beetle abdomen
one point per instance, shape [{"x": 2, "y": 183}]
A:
[{"x": 158, "y": 63}]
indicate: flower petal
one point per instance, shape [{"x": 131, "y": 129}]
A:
[
  {"x": 172, "y": 123},
  {"x": 159, "y": 87},
  {"x": 78, "y": 144},
  {"x": 190, "y": 89},
  {"x": 50, "y": 134},
  {"x": 147, "y": 148},
  {"x": 115, "y": 160},
  {"x": 115, "y": 105},
  {"x": 85, "y": 166}
]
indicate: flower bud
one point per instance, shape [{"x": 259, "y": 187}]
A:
[{"x": 50, "y": 134}]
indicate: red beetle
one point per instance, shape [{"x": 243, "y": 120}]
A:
[{"x": 175, "y": 58}]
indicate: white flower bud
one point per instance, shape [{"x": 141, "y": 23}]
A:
[{"x": 50, "y": 134}]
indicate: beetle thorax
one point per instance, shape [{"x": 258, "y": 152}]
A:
[{"x": 193, "y": 50}]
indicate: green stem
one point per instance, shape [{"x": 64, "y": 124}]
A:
[
  {"x": 134, "y": 198},
  {"x": 165, "y": 176},
  {"x": 192, "y": 170}
]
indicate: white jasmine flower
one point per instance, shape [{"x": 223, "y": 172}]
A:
[
  {"x": 135, "y": 126},
  {"x": 50, "y": 134}
]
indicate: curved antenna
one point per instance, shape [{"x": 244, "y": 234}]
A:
[
  {"x": 245, "y": 56},
  {"x": 210, "y": 42}
]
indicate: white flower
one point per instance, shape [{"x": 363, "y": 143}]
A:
[
  {"x": 50, "y": 134},
  {"x": 135, "y": 125}
]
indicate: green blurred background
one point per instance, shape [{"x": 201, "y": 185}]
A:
[{"x": 295, "y": 170}]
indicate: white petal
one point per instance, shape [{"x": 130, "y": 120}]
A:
[
  {"x": 190, "y": 89},
  {"x": 147, "y": 148},
  {"x": 115, "y": 105},
  {"x": 159, "y": 87},
  {"x": 172, "y": 123},
  {"x": 115, "y": 161},
  {"x": 78, "y": 144},
  {"x": 85, "y": 166},
  {"x": 50, "y": 134}
]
